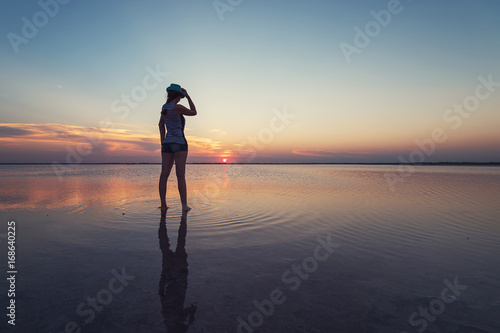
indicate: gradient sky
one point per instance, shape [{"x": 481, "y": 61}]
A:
[{"x": 63, "y": 88}]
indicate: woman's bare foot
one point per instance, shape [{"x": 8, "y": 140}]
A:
[
  {"x": 163, "y": 206},
  {"x": 186, "y": 208}
]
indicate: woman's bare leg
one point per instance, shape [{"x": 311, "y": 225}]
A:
[
  {"x": 167, "y": 161},
  {"x": 180, "y": 158}
]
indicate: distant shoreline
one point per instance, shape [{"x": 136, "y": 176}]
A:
[{"x": 282, "y": 163}]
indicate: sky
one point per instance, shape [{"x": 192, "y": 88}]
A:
[{"x": 273, "y": 81}]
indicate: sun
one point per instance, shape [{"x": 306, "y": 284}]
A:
[{"x": 224, "y": 160}]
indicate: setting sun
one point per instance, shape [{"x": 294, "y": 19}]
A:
[{"x": 224, "y": 160}]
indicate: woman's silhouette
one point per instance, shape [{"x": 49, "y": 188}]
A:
[
  {"x": 173, "y": 279},
  {"x": 174, "y": 147}
]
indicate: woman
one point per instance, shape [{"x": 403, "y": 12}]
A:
[{"x": 174, "y": 147}]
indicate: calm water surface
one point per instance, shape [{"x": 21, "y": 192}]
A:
[{"x": 332, "y": 246}]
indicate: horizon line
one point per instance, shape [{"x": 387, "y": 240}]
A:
[{"x": 256, "y": 163}]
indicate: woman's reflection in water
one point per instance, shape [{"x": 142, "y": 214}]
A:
[{"x": 173, "y": 279}]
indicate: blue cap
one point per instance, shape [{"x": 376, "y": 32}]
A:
[{"x": 175, "y": 87}]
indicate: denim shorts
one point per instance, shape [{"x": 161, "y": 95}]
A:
[{"x": 171, "y": 147}]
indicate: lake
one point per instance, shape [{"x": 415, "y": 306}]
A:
[{"x": 265, "y": 248}]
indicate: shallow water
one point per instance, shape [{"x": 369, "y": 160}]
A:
[{"x": 332, "y": 245}]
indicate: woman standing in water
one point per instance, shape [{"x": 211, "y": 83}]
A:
[{"x": 174, "y": 147}]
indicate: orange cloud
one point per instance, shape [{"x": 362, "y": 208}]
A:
[{"x": 93, "y": 144}]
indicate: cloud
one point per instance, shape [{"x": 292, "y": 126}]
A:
[
  {"x": 106, "y": 144},
  {"x": 313, "y": 152},
  {"x": 218, "y": 131},
  {"x": 8, "y": 131},
  {"x": 203, "y": 146}
]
